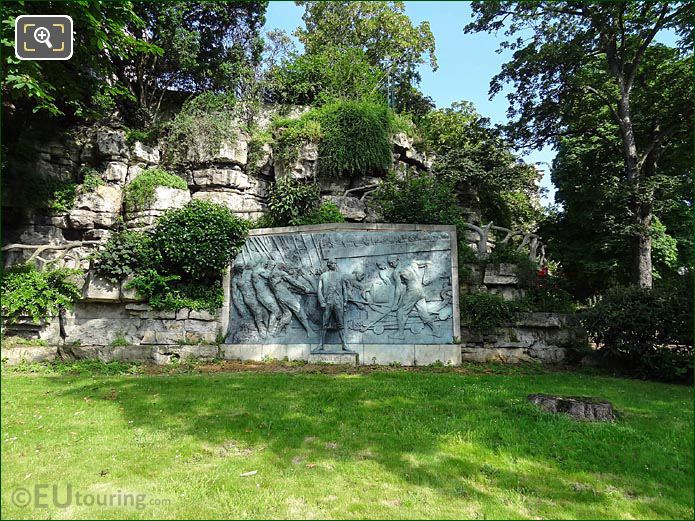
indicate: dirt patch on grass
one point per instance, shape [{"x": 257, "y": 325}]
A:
[{"x": 236, "y": 366}]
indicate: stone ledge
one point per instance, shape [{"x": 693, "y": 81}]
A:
[
  {"x": 29, "y": 354},
  {"x": 157, "y": 354},
  {"x": 367, "y": 354},
  {"x": 514, "y": 355}
]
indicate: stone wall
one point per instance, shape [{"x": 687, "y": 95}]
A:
[
  {"x": 500, "y": 278},
  {"x": 531, "y": 337},
  {"x": 110, "y": 314},
  {"x": 105, "y": 324}
]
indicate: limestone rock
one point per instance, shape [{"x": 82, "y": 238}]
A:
[
  {"x": 116, "y": 171},
  {"x": 264, "y": 163},
  {"x": 241, "y": 203},
  {"x": 97, "y": 289},
  {"x": 404, "y": 151},
  {"x": 39, "y": 234},
  {"x": 201, "y": 315},
  {"x": 334, "y": 185},
  {"x": 163, "y": 355},
  {"x": 97, "y": 209},
  {"x": 232, "y": 150},
  {"x": 165, "y": 198},
  {"x": 144, "y": 153},
  {"x": 29, "y": 354},
  {"x": 97, "y": 234},
  {"x": 88, "y": 154},
  {"x": 401, "y": 142},
  {"x": 111, "y": 144},
  {"x": 305, "y": 165},
  {"x": 223, "y": 177},
  {"x": 128, "y": 294},
  {"x": 501, "y": 274},
  {"x": 134, "y": 170},
  {"x": 351, "y": 207}
]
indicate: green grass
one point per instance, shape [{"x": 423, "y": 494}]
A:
[{"x": 361, "y": 444}]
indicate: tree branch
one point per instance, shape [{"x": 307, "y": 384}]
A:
[
  {"x": 659, "y": 141},
  {"x": 645, "y": 44},
  {"x": 605, "y": 100}
]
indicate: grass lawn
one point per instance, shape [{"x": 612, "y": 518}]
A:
[{"x": 361, "y": 444}]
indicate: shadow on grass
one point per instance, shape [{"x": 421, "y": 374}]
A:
[{"x": 465, "y": 436}]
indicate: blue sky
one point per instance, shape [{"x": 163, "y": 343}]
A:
[{"x": 467, "y": 62}]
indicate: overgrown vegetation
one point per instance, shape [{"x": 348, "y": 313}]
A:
[
  {"x": 417, "y": 198},
  {"x": 325, "y": 213},
  {"x": 648, "y": 330},
  {"x": 200, "y": 128},
  {"x": 91, "y": 180},
  {"x": 484, "y": 311},
  {"x": 28, "y": 292},
  {"x": 179, "y": 263},
  {"x": 353, "y": 138},
  {"x": 294, "y": 202},
  {"x": 123, "y": 254},
  {"x": 139, "y": 194}
]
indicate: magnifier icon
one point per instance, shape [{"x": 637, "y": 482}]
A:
[{"x": 42, "y": 35}]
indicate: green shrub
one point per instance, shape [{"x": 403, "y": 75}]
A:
[
  {"x": 353, "y": 138},
  {"x": 650, "y": 330},
  {"x": 140, "y": 192},
  {"x": 417, "y": 198},
  {"x": 91, "y": 180},
  {"x": 547, "y": 293},
  {"x": 168, "y": 292},
  {"x": 179, "y": 264},
  {"x": 200, "y": 128},
  {"x": 290, "y": 200},
  {"x": 148, "y": 137},
  {"x": 483, "y": 311},
  {"x": 27, "y": 291},
  {"x": 124, "y": 253},
  {"x": 199, "y": 240},
  {"x": 325, "y": 76},
  {"x": 62, "y": 197},
  {"x": 326, "y": 213}
]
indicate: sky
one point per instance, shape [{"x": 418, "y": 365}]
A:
[{"x": 467, "y": 63}]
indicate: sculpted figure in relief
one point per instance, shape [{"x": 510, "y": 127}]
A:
[
  {"x": 332, "y": 296},
  {"x": 409, "y": 293},
  {"x": 245, "y": 294},
  {"x": 259, "y": 277},
  {"x": 283, "y": 280}
]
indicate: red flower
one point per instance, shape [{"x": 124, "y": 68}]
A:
[{"x": 543, "y": 272}]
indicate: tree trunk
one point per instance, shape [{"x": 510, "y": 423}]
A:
[
  {"x": 642, "y": 214},
  {"x": 642, "y": 253}
]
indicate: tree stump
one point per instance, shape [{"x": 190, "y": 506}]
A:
[{"x": 578, "y": 407}]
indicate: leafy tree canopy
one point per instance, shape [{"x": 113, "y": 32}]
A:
[
  {"x": 470, "y": 153},
  {"x": 382, "y": 31},
  {"x": 128, "y": 54},
  {"x": 570, "y": 55}
]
